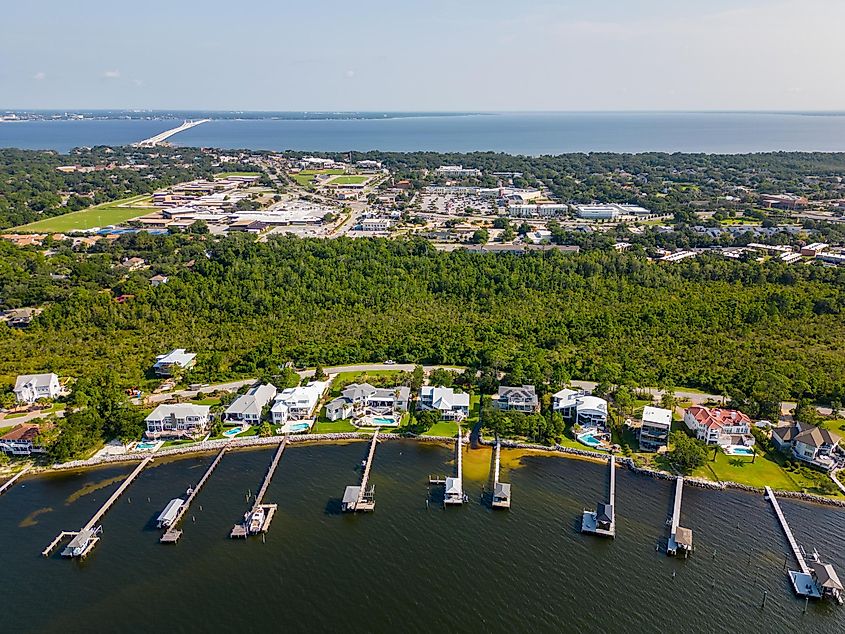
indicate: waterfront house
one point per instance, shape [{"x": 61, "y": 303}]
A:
[
  {"x": 451, "y": 405},
  {"x": 297, "y": 403},
  {"x": 654, "y": 432},
  {"x": 166, "y": 363},
  {"x": 31, "y": 387},
  {"x": 810, "y": 444},
  {"x": 361, "y": 399},
  {"x": 580, "y": 408},
  {"x": 718, "y": 426},
  {"x": 180, "y": 419},
  {"x": 247, "y": 407},
  {"x": 23, "y": 440},
  {"x": 518, "y": 399}
]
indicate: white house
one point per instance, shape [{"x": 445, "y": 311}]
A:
[
  {"x": 810, "y": 444},
  {"x": 580, "y": 408},
  {"x": 30, "y": 387},
  {"x": 451, "y": 405},
  {"x": 247, "y": 408},
  {"x": 22, "y": 440},
  {"x": 365, "y": 399},
  {"x": 181, "y": 419},
  {"x": 719, "y": 426},
  {"x": 298, "y": 403},
  {"x": 654, "y": 432},
  {"x": 178, "y": 358}
]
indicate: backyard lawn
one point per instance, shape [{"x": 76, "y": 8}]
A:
[
  {"x": 97, "y": 216},
  {"x": 342, "y": 379},
  {"x": 443, "y": 428}
]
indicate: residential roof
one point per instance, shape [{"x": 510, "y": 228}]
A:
[
  {"x": 787, "y": 433},
  {"x": 593, "y": 403},
  {"x": 36, "y": 380},
  {"x": 522, "y": 393},
  {"x": 604, "y": 512},
  {"x": 816, "y": 437},
  {"x": 683, "y": 536},
  {"x": 502, "y": 490},
  {"x": 253, "y": 401},
  {"x": 826, "y": 575},
  {"x": 444, "y": 398},
  {"x": 716, "y": 418},
  {"x": 350, "y": 495},
  {"x": 175, "y": 357},
  {"x": 453, "y": 486},
  {"x": 657, "y": 416},
  {"x": 178, "y": 410},
  {"x": 25, "y": 432}
]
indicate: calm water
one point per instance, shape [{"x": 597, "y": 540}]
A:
[
  {"x": 515, "y": 133},
  {"x": 403, "y": 568}
]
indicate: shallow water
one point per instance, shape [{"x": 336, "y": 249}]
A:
[{"x": 405, "y": 567}]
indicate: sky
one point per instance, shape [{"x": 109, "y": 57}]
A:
[{"x": 431, "y": 55}]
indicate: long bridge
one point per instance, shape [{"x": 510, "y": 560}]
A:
[{"x": 163, "y": 136}]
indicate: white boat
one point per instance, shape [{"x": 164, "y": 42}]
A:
[{"x": 256, "y": 520}]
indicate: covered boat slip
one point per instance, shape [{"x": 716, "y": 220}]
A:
[{"x": 170, "y": 513}]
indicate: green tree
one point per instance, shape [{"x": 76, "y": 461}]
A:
[
  {"x": 480, "y": 236},
  {"x": 686, "y": 454}
]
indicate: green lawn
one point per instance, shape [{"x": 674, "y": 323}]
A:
[
  {"x": 207, "y": 401},
  {"x": 97, "y": 216},
  {"x": 443, "y": 428},
  {"x": 324, "y": 426},
  {"x": 227, "y": 174},
  {"x": 342, "y": 379},
  {"x": 764, "y": 471},
  {"x": 349, "y": 179}
]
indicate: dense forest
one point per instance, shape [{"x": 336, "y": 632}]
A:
[{"x": 753, "y": 331}]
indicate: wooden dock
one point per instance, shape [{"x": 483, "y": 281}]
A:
[
  {"x": 360, "y": 498},
  {"x": 602, "y": 521},
  {"x": 796, "y": 550},
  {"x": 501, "y": 490},
  {"x": 172, "y": 534},
  {"x": 258, "y": 518},
  {"x": 453, "y": 485},
  {"x": 89, "y": 534},
  {"x": 11, "y": 481},
  {"x": 680, "y": 538}
]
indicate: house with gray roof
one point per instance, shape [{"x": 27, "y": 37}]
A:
[
  {"x": 166, "y": 363},
  {"x": 358, "y": 399},
  {"x": 819, "y": 447},
  {"x": 451, "y": 405},
  {"x": 31, "y": 387},
  {"x": 517, "y": 399},
  {"x": 177, "y": 420},
  {"x": 247, "y": 407}
]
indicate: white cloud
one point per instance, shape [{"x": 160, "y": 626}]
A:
[
  {"x": 112, "y": 74},
  {"x": 138, "y": 82},
  {"x": 350, "y": 73},
  {"x": 40, "y": 75}
]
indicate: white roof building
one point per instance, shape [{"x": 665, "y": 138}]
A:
[
  {"x": 580, "y": 408},
  {"x": 248, "y": 407},
  {"x": 451, "y": 405},
  {"x": 175, "y": 358},
  {"x": 179, "y": 419},
  {"x": 31, "y": 387},
  {"x": 298, "y": 403}
]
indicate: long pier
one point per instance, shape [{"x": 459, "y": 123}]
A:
[
  {"x": 11, "y": 481},
  {"x": 258, "y": 518},
  {"x": 454, "y": 490},
  {"x": 163, "y": 136},
  {"x": 796, "y": 550},
  {"x": 172, "y": 535},
  {"x": 602, "y": 521},
  {"x": 501, "y": 490},
  {"x": 679, "y": 537},
  {"x": 359, "y": 498},
  {"x": 84, "y": 539}
]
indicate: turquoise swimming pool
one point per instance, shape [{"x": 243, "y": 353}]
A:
[
  {"x": 589, "y": 440},
  {"x": 144, "y": 446},
  {"x": 299, "y": 427},
  {"x": 742, "y": 451},
  {"x": 231, "y": 433},
  {"x": 384, "y": 420}
]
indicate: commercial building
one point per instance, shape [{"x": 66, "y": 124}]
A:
[
  {"x": 609, "y": 211},
  {"x": 457, "y": 171},
  {"x": 654, "y": 432},
  {"x": 31, "y": 387}
]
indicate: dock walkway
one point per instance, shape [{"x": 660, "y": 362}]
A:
[
  {"x": 258, "y": 518},
  {"x": 11, "y": 481},
  {"x": 359, "y": 498},
  {"x": 454, "y": 490},
  {"x": 501, "y": 490},
  {"x": 796, "y": 549},
  {"x": 679, "y": 537},
  {"x": 172, "y": 534},
  {"x": 602, "y": 521},
  {"x": 88, "y": 535}
]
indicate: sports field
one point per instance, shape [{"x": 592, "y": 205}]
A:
[
  {"x": 98, "y": 216},
  {"x": 350, "y": 179}
]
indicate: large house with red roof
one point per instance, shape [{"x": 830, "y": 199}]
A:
[{"x": 718, "y": 426}]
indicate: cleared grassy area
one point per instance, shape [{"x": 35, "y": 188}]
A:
[
  {"x": 342, "y": 379},
  {"x": 97, "y": 216},
  {"x": 336, "y": 427},
  {"x": 443, "y": 428},
  {"x": 349, "y": 179},
  {"x": 764, "y": 471},
  {"x": 207, "y": 401},
  {"x": 227, "y": 174}
]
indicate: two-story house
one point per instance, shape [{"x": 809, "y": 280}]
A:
[
  {"x": 361, "y": 399},
  {"x": 655, "y": 428},
  {"x": 22, "y": 440},
  {"x": 810, "y": 444},
  {"x": 580, "y": 408},
  {"x": 450, "y": 404},
  {"x": 247, "y": 407},
  {"x": 517, "y": 399},
  {"x": 31, "y": 387},
  {"x": 718, "y": 426},
  {"x": 180, "y": 419},
  {"x": 168, "y": 363}
]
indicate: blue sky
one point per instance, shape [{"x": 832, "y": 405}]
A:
[{"x": 424, "y": 55}]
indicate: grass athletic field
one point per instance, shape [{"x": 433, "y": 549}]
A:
[{"x": 97, "y": 216}]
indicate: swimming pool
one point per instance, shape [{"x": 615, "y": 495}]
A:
[
  {"x": 145, "y": 446},
  {"x": 299, "y": 427},
  {"x": 231, "y": 433},
  {"x": 384, "y": 420},
  {"x": 739, "y": 450},
  {"x": 589, "y": 440}
]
